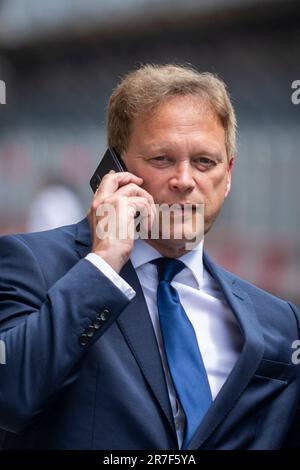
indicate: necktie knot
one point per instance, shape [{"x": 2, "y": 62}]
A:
[{"x": 167, "y": 268}]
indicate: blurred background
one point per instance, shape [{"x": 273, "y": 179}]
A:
[{"x": 60, "y": 60}]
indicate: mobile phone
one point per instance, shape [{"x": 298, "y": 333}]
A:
[{"x": 110, "y": 161}]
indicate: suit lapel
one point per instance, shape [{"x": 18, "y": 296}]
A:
[
  {"x": 136, "y": 326},
  {"x": 247, "y": 363}
]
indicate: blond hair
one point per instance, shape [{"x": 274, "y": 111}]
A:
[{"x": 142, "y": 90}]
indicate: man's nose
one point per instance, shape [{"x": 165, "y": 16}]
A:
[{"x": 183, "y": 178}]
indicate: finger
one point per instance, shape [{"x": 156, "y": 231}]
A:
[
  {"x": 112, "y": 181},
  {"x": 142, "y": 207},
  {"x": 96, "y": 192},
  {"x": 131, "y": 190},
  {"x": 146, "y": 213}
]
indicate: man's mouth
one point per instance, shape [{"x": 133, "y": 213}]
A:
[{"x": 183, "y": 206}]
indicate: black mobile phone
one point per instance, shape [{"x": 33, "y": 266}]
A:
[{"x": 110, "y": 161}]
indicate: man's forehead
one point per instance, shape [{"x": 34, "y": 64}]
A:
[
  {"x": 180, "y": 110},
  {"x": 198, "y": 103},
  {"x": 178, "y": 121}
]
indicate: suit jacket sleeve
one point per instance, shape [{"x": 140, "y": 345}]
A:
[
  {"x": 41, "y": 326},
  {"x": 292, "y": 440}
]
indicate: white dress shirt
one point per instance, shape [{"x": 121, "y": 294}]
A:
[{"x": 218, "y": 334}]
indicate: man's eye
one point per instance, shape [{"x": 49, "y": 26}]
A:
[
  {"x": 161, "y": 158},
  {"x": 205, "y": 161}
]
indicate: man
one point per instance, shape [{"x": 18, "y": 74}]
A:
[{"x": 105, "y": 349}]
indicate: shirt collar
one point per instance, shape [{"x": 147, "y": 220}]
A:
[{"x": 143, "y": 253}]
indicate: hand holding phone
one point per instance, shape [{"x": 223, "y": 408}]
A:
[
  {"x": 110, "y": 161},
  {"x": 121, "y": 192}
]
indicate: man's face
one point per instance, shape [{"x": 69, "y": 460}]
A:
[{"x": 179, "y": 151}]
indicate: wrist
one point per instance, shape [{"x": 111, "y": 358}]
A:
[{"x": 115, "y": 260}]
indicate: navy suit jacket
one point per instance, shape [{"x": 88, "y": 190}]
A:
[{"x": 83, "y": 370}]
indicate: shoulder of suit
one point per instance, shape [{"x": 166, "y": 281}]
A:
[
  {"x": 252, "y": 290},
  {"x": 61, "y": 236}
]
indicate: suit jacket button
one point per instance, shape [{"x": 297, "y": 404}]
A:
[
  {"x": 90, "y": 331},
  {"x": 83, "y": 340},
  {"x": 103, "y": 316},
  {"x": 97, "y": 323}
]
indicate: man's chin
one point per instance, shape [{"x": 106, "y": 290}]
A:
[{"x": 187, "y": 242}]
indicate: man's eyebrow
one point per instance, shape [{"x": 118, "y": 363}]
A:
[{"x": 156, "y": 150}]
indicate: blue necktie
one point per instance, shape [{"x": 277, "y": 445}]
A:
[{"x": 181, "y": 348}]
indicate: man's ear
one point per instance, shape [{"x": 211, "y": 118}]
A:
[{"x": 229, "y": 172}]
